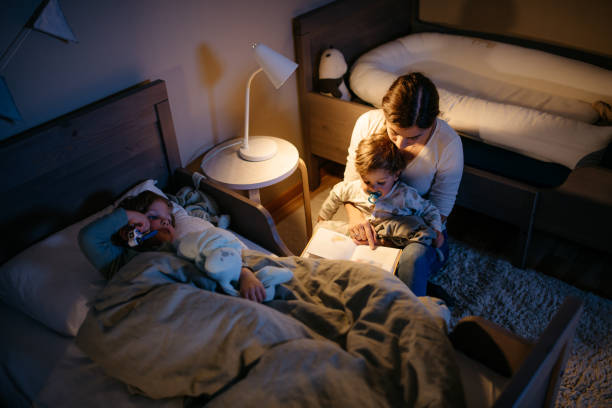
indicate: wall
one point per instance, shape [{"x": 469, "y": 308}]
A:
[
  {"x": 579, "y": 24},
  {"x": 201, "y": 48}
]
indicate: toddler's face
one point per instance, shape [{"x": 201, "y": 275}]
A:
[
  {"x": 160, "y": 218},
  {"x": 379, "y": 180}
]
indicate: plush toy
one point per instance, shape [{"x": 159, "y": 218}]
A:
[
  {"x": 331, "y": 74},
  {"x": 198, "y": 204},
  {"x": 218, "y": 253}
]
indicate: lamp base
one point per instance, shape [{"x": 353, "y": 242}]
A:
[{"x": 259, "y": 149}]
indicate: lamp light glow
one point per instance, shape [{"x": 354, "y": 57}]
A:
[{"x": 278, "y": 69}]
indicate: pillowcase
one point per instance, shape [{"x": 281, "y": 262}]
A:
[
  {"x": 147, "y": 185},
  {"x": 52, "y": 281},
  {"x": 526, "y": 131},
  {"x": 489, "y": 70}
]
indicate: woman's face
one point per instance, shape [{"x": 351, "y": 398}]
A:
[
  {"x": 404, "y": 138},
  {"x": 160, "y": 218},
  {"x": 378, "y": 181}
]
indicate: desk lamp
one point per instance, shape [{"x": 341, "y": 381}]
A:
[{"x": 278, "y": 69}]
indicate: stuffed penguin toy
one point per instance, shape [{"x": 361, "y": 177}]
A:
[{"x": 331, "y": 74}]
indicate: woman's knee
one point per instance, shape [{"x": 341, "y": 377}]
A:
[
  {"x": 413, "y": 253},
  {"x": 413, "y": 267}
]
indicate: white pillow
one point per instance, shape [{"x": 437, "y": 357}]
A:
[
  {"x": 52, "y": 281},
  {"x": 488, "y": 70},
  {"x": 148, "y": 185},
  {"x": 529, "y": 132}
]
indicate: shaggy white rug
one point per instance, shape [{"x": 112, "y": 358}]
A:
[{"x": 524, "y": 301}]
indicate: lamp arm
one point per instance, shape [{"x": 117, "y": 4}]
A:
[{"x": 245, "y": 142}]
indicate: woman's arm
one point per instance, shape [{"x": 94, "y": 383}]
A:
[
  {"x": 432, "y": 217},
  {"x": 449, "y": 170}
]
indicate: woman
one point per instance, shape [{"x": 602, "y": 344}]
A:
[{"x": 434, "y": 157}]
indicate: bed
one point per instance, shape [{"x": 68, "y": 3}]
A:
[
  {"x": 336, "y": 334},
  {"x": 496, "y": 92}
]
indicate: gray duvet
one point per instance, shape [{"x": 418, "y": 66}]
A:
[{"x": 339, "y": 334}]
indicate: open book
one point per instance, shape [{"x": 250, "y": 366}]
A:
[{"x": 329, "y": 244}]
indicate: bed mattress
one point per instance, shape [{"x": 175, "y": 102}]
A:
[{"x": 523, "y": 100}]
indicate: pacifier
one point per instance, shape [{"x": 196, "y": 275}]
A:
[
  {"x": 136, "y": 237},
  {"x": 374, "y": 195}
]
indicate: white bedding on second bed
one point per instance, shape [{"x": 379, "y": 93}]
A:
[{"x": 524, "y": 100}]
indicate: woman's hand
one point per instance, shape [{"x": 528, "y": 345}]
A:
[
  {"x": 363, "y": 234},
  {"x": 250, "y": 287},
  {"x": 439, "y": 241}
]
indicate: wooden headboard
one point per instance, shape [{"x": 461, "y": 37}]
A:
[{"x": 58, "y": 173}]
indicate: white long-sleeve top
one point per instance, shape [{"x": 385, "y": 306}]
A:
[
  {"x": 435, "y": 172},
  {"x": 400, "y": 201}
]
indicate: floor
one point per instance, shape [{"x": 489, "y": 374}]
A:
[{"x": 582, "y": 267}]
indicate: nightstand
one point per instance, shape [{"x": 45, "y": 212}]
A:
[{"x": 223, "y": 165}]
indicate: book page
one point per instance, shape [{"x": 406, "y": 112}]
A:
[
  {"x": 331, "y": 245},
  {"x": 383, "y": 257}
]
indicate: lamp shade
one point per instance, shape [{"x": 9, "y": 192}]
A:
[{"x": 277, "y": 67}]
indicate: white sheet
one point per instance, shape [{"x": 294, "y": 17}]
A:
[
  {"x": 549, "y": 111},
  {"x": 489, "y": 70}
]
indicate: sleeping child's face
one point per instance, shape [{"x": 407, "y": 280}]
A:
[
  {"x": 378, "y": 181},
  {"x": 160, "y": 219}
]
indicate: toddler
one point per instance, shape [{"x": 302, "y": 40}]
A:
[
  {"x": 397, "y": 212},
  {"x": 142, "y": 223}
]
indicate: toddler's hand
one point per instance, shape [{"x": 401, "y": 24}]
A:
[
  {"x": 138, "y": 220},
  {"x": 250, "y": 287}
]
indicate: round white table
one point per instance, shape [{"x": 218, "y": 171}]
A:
[{"x": 223, "y": 165}]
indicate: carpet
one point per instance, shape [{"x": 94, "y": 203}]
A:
[{"x": 524, "y": 301}]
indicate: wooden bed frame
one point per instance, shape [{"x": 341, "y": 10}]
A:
[
  {"x": 60, "y": 172},
  {"x": 578, "y": 210}
]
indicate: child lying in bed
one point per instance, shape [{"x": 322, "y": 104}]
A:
[
  {"x": 143, "y": 223},
  {"x": 397, "y": 212}
]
